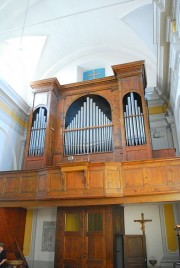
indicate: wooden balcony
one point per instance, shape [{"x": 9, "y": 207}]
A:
[{"x": 86, "y": 183}]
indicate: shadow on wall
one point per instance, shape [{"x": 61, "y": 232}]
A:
[
  {"x": 7, "y": 153},
  {"x": 177, "y": 118}
]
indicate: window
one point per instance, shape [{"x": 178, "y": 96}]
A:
[
  {"x": 72, "y": 222},
  {"x": 93, "y": 74},
  {"x": 95, "y": 222}
]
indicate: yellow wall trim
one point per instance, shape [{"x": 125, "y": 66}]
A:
[
  {"x": 13, "y": 115},
  {"x": 28, "y": 233},
  {"x": 157, "y": 109},
  {"x": 169, "y": 226}
]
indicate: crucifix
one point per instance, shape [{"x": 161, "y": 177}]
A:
[{"x": 142, "y": 222}]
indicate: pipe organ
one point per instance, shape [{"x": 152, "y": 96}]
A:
[
  {"x": 133, "y": 121},
  {"x": 101, "y": 120},
  {"x": 90, "y": 131},
  {"x": 74, "y": 131},
  {"x": 36, "y": 146}
]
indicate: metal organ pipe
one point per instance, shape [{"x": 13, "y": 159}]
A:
[
  {"x": 37, "y": 138},
  {"x": 90, "y": 131},
  {"x": 84, "y": 132},
  {"x": 93, "y": 130},
  {"x": 91, "y": 124},
  {"x": 134, "y": 122},
  {"x": 97, "y": 131},
  {"x": 138, "y": 123}
]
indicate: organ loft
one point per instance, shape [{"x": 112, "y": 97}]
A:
[{"x": 88, "y": 152}]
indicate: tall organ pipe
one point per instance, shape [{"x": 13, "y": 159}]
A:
[
  {"x": 36, "y": 146},
  {"x": 134, "y": 122},
  {"x": 89, "y": 131}
]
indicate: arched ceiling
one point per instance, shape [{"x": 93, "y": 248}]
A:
[{"x": 41, "y": 39}]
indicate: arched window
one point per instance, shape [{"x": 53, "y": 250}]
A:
[
  {"x": 36, "y": 146},
  {"x": 133, "y": 120},
  {"x": 88, "y": 126},
  {"x": 94, "y": 74}
]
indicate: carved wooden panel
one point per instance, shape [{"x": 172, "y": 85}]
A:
[
  {"x": 75, "y": 180},
  {"x": 96, "y": 179},
  {"x": 173, "y": 174},
  {"x": 1, "y": 184},
  {"x": 155, "y": 176},
  {"x": 55, "y": 181},
  {"x": 12, "y": 184},
  {"x": 133, "y": 178},
  {"x": 113, "y": 179},
  {"x": 42, "y": 182},
  {"x": 169, "y": 152},
  {"x": 90, "y": 180},
  {"x": 28, "y": 184},
  {"x": 151, "y": 177}
]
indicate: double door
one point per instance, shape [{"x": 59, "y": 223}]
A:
[
  {"x": 82, "y": 238},
  {"x": 92, "y": 237}
]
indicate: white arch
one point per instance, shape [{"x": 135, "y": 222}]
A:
[{"x": 82, "y": 55}]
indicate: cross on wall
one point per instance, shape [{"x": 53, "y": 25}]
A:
[{"x": 142, "y": 221}]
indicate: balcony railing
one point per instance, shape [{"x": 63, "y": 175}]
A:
[{"x": 138, "y": 181}]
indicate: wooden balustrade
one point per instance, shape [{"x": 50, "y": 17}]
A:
[{"x": 123, "y": 182}]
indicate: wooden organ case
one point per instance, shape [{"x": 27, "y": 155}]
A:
[{"x": 102, "y": 120}]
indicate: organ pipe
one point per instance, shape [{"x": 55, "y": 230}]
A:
[
  {"x": 134, "y": 122},
  {"x": 90, "y": 131},
  {"x": 37, "y": 138}
]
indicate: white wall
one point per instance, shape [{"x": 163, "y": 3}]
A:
[
  {"x": 174, "y": 70},
  {"x": 163, "y": 132},
  {"x": 153, "y": 229},
  {"x": 12, "y": 134},
  {"x": 39, "y": 258}
]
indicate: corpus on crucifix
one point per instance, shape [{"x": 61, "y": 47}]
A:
[{"x": 142, "y": 221}]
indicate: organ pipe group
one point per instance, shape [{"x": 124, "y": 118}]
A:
[
  {"x": 90, "y": 131},
  {"x": 134, "y": 122},
  {"x": 36, "y": 147}
]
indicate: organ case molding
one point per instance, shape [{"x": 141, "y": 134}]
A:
[
  {"x": 57, "y": 99},
  {"x": 132, "y": 79},
  {"x": 45, "y": 94}
]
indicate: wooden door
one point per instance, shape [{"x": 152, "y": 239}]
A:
[
  {"x": 95, "y": 238},
  {"x": 69, "y": 239},
  {"x": 81, "y": 238},
  {"x": 135, "y": 251}
]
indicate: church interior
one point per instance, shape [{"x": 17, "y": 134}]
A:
[{"x": 90, "y": 133}]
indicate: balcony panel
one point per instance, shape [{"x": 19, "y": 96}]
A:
[{"x": 93, "y": 181}]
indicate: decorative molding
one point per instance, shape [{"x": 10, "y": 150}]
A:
[{"x": 160, "y": 4}]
